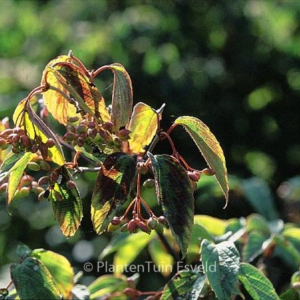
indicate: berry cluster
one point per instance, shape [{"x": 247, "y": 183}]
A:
[
  {"x": 20, "y": 142},
  {"x": 138, "y": 223},
  {"x": 90, "y": 135}
]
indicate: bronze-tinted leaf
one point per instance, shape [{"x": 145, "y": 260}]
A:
[
  {"x": 66, "y": 202},
  {"x": 209, "y": 147},
  {"x": 77, "y": 92},
  {"x": 175, "y": 195},
  {"x": 112, "y": 188},
  {"x": 122, "y": 96}
]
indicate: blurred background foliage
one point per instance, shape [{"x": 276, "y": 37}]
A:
[{"x": 233, "y": 64}]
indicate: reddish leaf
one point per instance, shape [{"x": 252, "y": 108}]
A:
[
  {"x": 112, "y": 188},
  {"x": 175, "y": 195},
  {"x": 209, "y": 147}
]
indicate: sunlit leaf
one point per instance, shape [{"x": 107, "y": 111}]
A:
[
  {"x": 66, "y": 203},
  {"x": 209, "y": 147},
  {"x": 221, "y": 265},
  {"x": 257, "y": 285},
  {"x": 24, "y": 117},
  {"x": 69, "y": 79},
  {"x": 33, "y": 280},
  {"x": 161, "y": 257},
  {"x": 60, "y": 269},
  {"x": 122, "y": 96},
  {"x": 88, "y": 155},
  {"x": 9, "y": 161},
  {"x": 175, "y": 195},
  {"x": 213, "y": 225},
  {"x": 143, "y": 126},
  {"x": 112, "y": 188},
  {"x": 184, "y": 285},
  {"x": 198, "y": 234},
  {"x": 16, "y": 173},
  {"x": 107, "y": 284},
  {"x": 130, "y": 249}
]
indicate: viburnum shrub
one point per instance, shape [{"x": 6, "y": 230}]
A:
[{"x": 118, "y": 141}]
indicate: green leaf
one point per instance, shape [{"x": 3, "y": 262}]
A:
[
  {"x": 213, "y": 225},
  {"x": 33, "y": 280},
  {"x": 122, "y": 96},
  {"x": 106, "y": 285},
  {"x": 253, "y": 247},
  {"x": 130, "y": 249},
  {"x": 143, "y": 126},
  {"x": 221, "y": 265},
  {"x": 8, "y": 162},
  {"x": 293, "y": 235},
  {"x": 66, "y": 203},
  {"x": 16, "y": 173},
  {"x": 256, "y": 222},
  {"x": 209, "y": 147},
  {"x": 60, "y": 269},
  {"x": 287, "y": 251},
  {"x": 256, "y": 284},
  {"x": 112, "y": 188},
  {"x": 259, "y": 195},
  {"x": 290, "y": 294},
  {"x": 198, "y": 234},
  {"x": 184, "y": 285},
  {"x": 161, "y": 258},
  {"x": 23, "y": 251},
  {"x": 175, "y": 195}
]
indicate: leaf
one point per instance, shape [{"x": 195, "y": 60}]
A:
[
  {"x": 16, "y": 173},
  {"x": 175, "y": 195},
  {"x": 129, "y": 250},
  {"x": 287, "y": 251},
  {"x": 221, "y": 265},
  {"x": 289, "y": 294},
  {"x": 33, "y": 280},
  {"x": 143, "y": 126},
  {"x": 8, "y": 162},
  {"x": 112, "y": 188},
  {"x": 122, "y": 96},
  {"x": 161, "y": 257},
  {"x": 23, "y": 251},
  {"x": 199, "y": 233},
  {"x": 71, "y": 81},
  {"x": 256, "y": 222},
  {"x": 259, "y": 195},
  {"x": 209, "y": 147},
  {"x": 256, "y": 284},
  {"x": 66, "y": 203},
  {"x": 213, "y": 225},
  {"x": 24, "y": 117},
  {"x": 107, "y": 284},
  {"x": 60, "y": 269},
  {"x": 253, "y": 247},
  {"x": 184, "y": 285}
]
